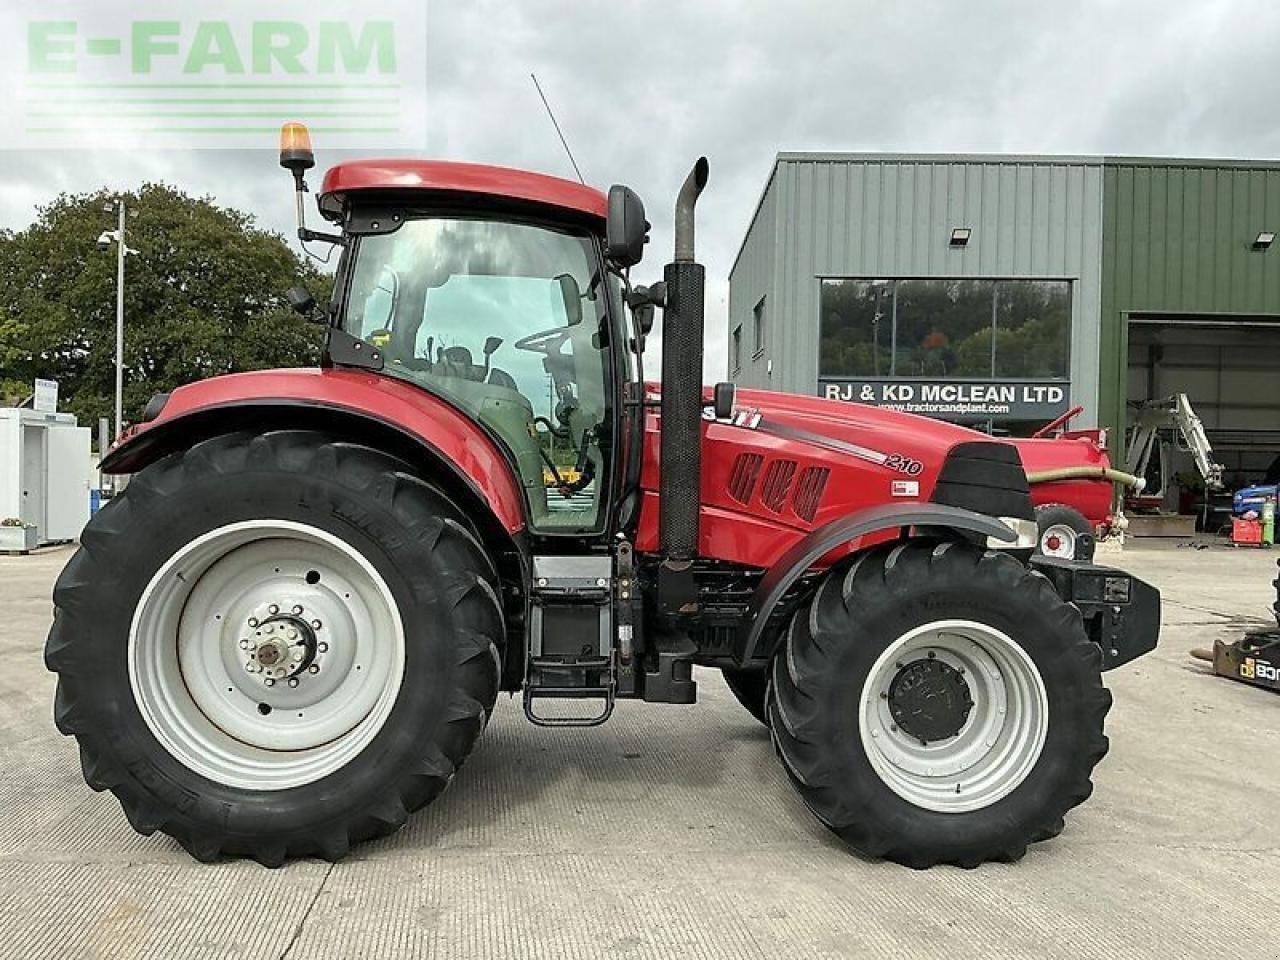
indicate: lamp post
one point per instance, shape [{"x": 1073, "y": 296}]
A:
[{"x": 108, "y": 237}]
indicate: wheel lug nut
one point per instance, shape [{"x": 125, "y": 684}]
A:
[
  {"x": 244, "y": 644},
  {"x": 269, "y": 682},
  {"x": 273, "y": 609},
  {"x": 322, "y": 647},
  {"x": 293, "y": 681},
  {"x": 297, "y": 608},
  {"x": 314, "y": 668},
  {"x": 253, "y": 621},
  {"x": 249, "y": 666},
  {"x": 315, "y": 624}
]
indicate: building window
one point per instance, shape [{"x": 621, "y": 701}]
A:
[
  {"x": 941, "y": 329},
  {"x": 758, "y": 321},
  {"x": 735, "y": 349}
]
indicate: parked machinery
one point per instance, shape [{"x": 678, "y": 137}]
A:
[
  {"x": 1073, "y": 487},
  {"x": 1254, "y": 658},
  {"x": 1159, "y": 427}
]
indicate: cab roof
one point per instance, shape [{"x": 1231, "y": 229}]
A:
[{"x": 462, "y": 178}]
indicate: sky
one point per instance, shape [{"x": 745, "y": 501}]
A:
[{"x": 642, "y": 89}]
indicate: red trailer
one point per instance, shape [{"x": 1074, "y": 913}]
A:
[{"x": 1073, "y": 487}]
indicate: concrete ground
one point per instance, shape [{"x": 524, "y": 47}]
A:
[{"x": 671, "y": 832}]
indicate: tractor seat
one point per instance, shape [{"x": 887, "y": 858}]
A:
[
  {"x": 457, "y": 362},
  {"x": 500, "y": 378}
]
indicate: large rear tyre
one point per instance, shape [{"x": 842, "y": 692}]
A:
[
  {"x": 275, "y": 646},
  {"x": 938, "y": 704}
]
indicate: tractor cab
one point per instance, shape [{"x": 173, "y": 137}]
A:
[{"x": 491, "y": 289}]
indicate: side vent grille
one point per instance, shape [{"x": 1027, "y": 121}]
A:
[
  {"x": 809, "y": 488},
  {"x": 777, "y": 484},
  {"x": 746, "y": 471}
]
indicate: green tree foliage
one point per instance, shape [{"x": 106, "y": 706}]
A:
[{"x": 203, "y": 297}]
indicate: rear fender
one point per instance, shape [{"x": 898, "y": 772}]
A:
[
  {"x": 368, "y": 408},
  {"x": 805, "y": 553}
]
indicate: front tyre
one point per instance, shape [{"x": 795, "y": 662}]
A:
[
  {"x": 275, "y": 646},
  {"x": 749, "y": 688},
  {"x": 939, "y": 704}
]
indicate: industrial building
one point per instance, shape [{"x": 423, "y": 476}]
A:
[{"x": 1003, "y": 290}]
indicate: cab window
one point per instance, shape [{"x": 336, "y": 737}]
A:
[{"x": 505, "y": 320}]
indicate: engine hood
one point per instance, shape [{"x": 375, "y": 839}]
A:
[
  {"x": 878, "y": 429},
  {"x": 782, "y": 465}
]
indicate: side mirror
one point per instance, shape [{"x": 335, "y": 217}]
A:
[
  {"x": 491, "y": 345},
  {"x": 571, "y": 294},
  {"x": 301, "y": 301},
  {"x": 626, "y": 229}
]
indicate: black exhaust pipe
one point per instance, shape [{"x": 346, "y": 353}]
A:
[{"x": 681, "y": 475}]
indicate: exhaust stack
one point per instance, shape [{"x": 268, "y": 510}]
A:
[{"x": 682, "y": 321}]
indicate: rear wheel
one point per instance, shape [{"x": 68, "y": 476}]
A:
[
  {"x": 1060, "y": 529},
  {"x": 939, "y": 704},
  {"x": 275, "y": 645}
]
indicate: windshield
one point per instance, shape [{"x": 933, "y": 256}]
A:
[{"x": 503, "y": 318}]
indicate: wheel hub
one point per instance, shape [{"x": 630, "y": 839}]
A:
[
  {"x": 280, "y": 647},
  {"x": 930, "y": 700}
]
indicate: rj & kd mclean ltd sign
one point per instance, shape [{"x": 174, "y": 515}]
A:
[{"x": 956, "y": 399}]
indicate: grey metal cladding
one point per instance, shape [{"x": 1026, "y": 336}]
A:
[{"x": 883, "y": 216}]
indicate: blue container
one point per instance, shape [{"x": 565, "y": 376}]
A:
[{"x": 95, "y": 501}]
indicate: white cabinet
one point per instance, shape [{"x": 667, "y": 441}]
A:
[{"x": 45, "y": 472}]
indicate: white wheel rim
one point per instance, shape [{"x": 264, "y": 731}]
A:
[
  {"x": 1059, "y": 540},
  {"x": 204, "y": 694},
  {"x": 1001, "y": 737}
]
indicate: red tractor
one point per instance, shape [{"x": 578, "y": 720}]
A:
[{"x": 290, "y": 629}]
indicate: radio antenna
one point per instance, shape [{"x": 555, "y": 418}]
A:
[{"x": 537, "y": 86}]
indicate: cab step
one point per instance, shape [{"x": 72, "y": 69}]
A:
[{"x": 570, "y": 654}]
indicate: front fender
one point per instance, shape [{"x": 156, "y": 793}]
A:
[
  {"x": 792, "y": 565},
  {"x": 372, "y": 405}
]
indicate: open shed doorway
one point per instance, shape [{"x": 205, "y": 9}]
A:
[{"x": 1229, "y": 369}]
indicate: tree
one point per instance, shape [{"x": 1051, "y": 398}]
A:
[{"x": 203, "y": 297}]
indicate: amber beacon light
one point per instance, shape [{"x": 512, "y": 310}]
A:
[{"x": 295, "y": 148}]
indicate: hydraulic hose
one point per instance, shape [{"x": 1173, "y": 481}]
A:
[{"x": 1088, "y": 473}]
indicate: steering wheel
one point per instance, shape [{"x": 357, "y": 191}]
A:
[{"x": 544, "y": 341}]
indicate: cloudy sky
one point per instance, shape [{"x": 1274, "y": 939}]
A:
[{"x": 643, "y": 88}]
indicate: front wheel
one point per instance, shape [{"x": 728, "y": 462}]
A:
[
  {"x": 1060, "y": 531},
  {"x": 275, "y": 646},
  {"x": 939, "y": 704}
]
